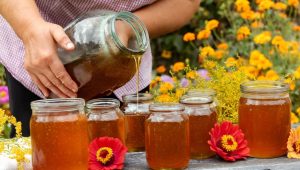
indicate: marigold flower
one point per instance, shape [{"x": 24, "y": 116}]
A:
[
  {"x": 248, "y": 15},
  {"x": 293, "y": 144},
  {"x": 294, "y": 3},
  {"x": 256, "y": 24},
  {"x": 212, "y": 24},
  {"x": 222, "y": 46},
  {"x": 243, "y": 33},
  {"x": 272, "y": 75},
  {"x": 296, "y": 28},
  {"x": 280, "y": 6},
  {"x": 165, "y": 87},
  {"x": 178, "y": 66},
  {"x": 166, "y": 54},
  {"x": 297, "y": 73},
  {"x": 203, "y": 34},
  {"x": 207, "y": 51},
  {"x": 263, "y": 37},
  {"x": 230, "y": 62},
  {"x": 255, "y": 56},
  {"x": 265, "y": 5},
  {"x": 164, "y": 98},
  {"x": 219, "y": 54},
  {"x": 209, "y": 64},
  {"x": 161, "y": 69},
  {"x": 189, "y": 37},
  {"x": 294, "y": 118},
  {"x": 282, "y": 15},
  {"x": 191, "y": 74},
  {"x": 250, "y": 71},
  {"x": 292, "y": 85},
  {"x": 242, "y": 5},
  {"x": 228, "y": 141},
  {"x": 277, "y": 40}
]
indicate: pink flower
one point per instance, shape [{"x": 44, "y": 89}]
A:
[{"x": 4, "y": 97}]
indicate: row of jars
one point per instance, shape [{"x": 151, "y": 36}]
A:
[{"x": 171, "y": 133}]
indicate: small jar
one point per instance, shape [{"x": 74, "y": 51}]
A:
[
  {"x": 105, "y": 118},
  {"x": 59, "y": 135},
  {"x": 167, "y": 137},
  {"x": 136, "y": 110},
  {"x": 264, "y": 117},
  {"x": 201, "y": 110}
]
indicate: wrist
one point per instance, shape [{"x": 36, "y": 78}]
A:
[{"x": 29, "y": 28}]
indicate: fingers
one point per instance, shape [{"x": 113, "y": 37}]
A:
[
  {"x": 43, "y": 89},
  {"x": 49, "y": 85},
  {"x": 61, "y": 37}
]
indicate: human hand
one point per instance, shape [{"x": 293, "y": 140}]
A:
[{"x": 41, "y": 61}]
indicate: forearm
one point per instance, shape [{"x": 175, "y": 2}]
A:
[
  {"x": 21, "y": 14},
  {"x": 165, "y": 16}
]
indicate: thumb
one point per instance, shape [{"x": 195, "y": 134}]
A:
[{"x": 61, "y": 37}]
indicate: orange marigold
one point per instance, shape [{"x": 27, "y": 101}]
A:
[
  {"x": 189, "y": 37},
  {"x": 178, "y": 66},
  {"x": 203, "y": 34},
  {"x": 243, "y": 33},
  {"x": 212, "y": 24},
  {"x": 294, "y": 3},
  {"x": 161, "y": 69}
]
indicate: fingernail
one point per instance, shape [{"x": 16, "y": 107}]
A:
[
  {"x": 74, "y": 90},
  {"x": 70, "y": 45}
]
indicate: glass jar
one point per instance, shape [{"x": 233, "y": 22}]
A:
[
  {"x": 108, "y": 45},
  {"x": 59, "y": 135},
  {"x": 264, "y": 117},
  {"x": 136, "y": 111},
  {"x": 105, "y": 118},
  {"x": 201, "y": 110},
  {"x": 167, "y": 137}
]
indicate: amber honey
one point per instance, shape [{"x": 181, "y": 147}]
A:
[{"x": 59, "y": 142}]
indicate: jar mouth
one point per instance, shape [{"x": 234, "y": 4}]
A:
[
  {"x": 166, "y": 107},
  {"x": 140, "y": 32},
  {"x": 103, "y": 103},
  {"x": 264, "y": 86},
  {"x": 56, "y": 105},
  {"x": 188, "y": 99},
  {"x": 134, "y": 97}
]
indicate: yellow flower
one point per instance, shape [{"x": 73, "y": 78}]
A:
[
  {"x": 248, "y": 15},
  {"x": 179, "y": 92},
  {"x": 243, "y": 33},
  {"x": 293, "y": 144},
  {"x": 265, "y": 5},
  {"x": 222, "y": 46},
  {"x": 166, "y": 54},
  {"x": 272, "y": 75},
  {"x": 263, "y": 37},
  {"x": 280, "y": 6},
  {"x": 209, "y": 64},
  {"x": 165, "y": 87},
  {"x": 250, "y": 71},
  {"x": 191, "y": 75},
  {"x": 259, "y": 60},
  {"x": 178, "y": 66},
  {"x": 161, "y": 69},
  {"x": 1, "y": 147},
  {"x": 189, "y": 37},
  {"x": 242, "y": 5},
  {"x": 292, "y": 85},
  {"x": 293, "y": 3},
  {"x": 297, "y": 73},
  {"x": 219, "y": 54},
  {"x": 256, "y": 24},
  {"x": 294, "y": 118},
  {"x": 277, "y": 40},
  {"x": 230, "y": 62},
  {"x": 264, "y": 64},
  {"x": 296, "y": 28},
  {"x": 203, "y": 34},
  {"x": 154, "y": 82},
  {"x": 207, "y": 51},
  {"x": 164, "y": 98},
  {"x": 212, "y": 24}
]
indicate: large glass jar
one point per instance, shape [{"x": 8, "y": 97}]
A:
[
  {"x": 167, "y": 137},
  {"x": 264, "y": 117},
  {"x": 105, "y": 118},
  {"x": 107, "y": 46},
  {"x": 200, "y": 108},
  {"x": 136, "y": 110},
  {"x": 59, "y": 135}
]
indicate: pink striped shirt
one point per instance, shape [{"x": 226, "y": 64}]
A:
[{"x": 62, "y": 12}]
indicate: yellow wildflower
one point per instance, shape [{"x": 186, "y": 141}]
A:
[
  {"x": 293, "y": 3},
  {"x": 164, "y": 98},
  {"x": 243, "y": 33},
  {"x": 294, "y": 118},
  {"x": 179, "y": 92},
  {"x": 161, "y": 69},
  {"x": 178, "y": 66},
  {"x": 272, "y": 75},
  {"x": 203, "y": 34},
  {"x": 297, "y": 73},
  {"x": 207, "y": 51},
  {"x": 292, "y": 84},
  {"x": 165, "y": 87},
  {"x": 212, "y": 24},
  {"x": 166, "y": 54},
  {"x": 296, "y": 28},
  {"x": 242, "y": 5},
  {"x": 191, "y": 74},
  {"x": 230, "y": 62},
  {"x": 263, "y": 37},
  {"x": 265, "y": 5},
  {"x": 189, "y": 37},
  {"x": 209, "y": 64},
  {"x": 280, "y": 6},
  {"x": 256, "y": 24},
  {"x": 293, "y": 144},
  {"x": 222, "y": 46}
]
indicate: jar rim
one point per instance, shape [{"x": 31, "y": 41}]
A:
[
  {"x": 133, "y": 97},
  {"x": 196, "y": 99},
  {"x": 166, "y": 107},
  {"x": 264, "y": 86},
  {"x": 59, "y": 104},
  {"x": 103, "y": 103}
]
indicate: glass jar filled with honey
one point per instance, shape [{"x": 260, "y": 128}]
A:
[
  {"x": 105, "y": 118},
  {"x": 59, "y": 135},
  {"x": 264, "y": 117},
  {"x": 167, "y": 138},
  {"x": 200, "y": 108},
  {"x": 136, "y": 110}
]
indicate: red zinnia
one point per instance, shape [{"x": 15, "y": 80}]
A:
[
  {"x": 228, "y": 141},
  {"x": 106, "y": 153}
]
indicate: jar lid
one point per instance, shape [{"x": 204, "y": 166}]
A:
[
  {"x": 264, "y": 86},
  {"x": 103, "y": 103},
  {"x": 57, "y": 105},
  {"x": 166, "y": 107},
  {"x": 134, "y": 97}
]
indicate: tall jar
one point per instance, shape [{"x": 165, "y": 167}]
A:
[
  {"x": 167, "y": 137},
  {"x": 59, "y": 135},
  {"x": 200, "y": 108},
  {"x": 264, "y": 117},
  {"x": 107, "y": 47},
  {"x": 136, "y": 111},
  {"x": 105, "y": 118}
]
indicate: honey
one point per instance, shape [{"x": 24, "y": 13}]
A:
[
  {"x": 167, "y": 137},
  {"x": 265, "y": 120},
  {"x": 59, "y": 140}
]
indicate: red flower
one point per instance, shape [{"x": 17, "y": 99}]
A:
[
  {"x": 106, "y": 153},
  {"x": 228, "y": 141}
]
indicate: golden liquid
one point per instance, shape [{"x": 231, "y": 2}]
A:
[
  {"x": 135, "y": 131},
  {"x": 137, "y": 60},
  {"x": 266, "y": 125},
  {"x": 200, "y": 125},
  {"x": 110, "y": 128},
  {"x": 58, "y": 144},
  {"x": 167, "y": 144}
]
